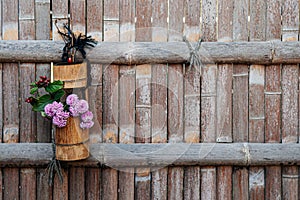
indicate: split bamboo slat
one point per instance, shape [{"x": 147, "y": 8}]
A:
[
  {"x": 10, "y": 95},
  {"x": 224, "y": 98},
  {"x": 175, "y": 99},
  {"x": 43, "y": 127},
  {"x": 126, "y": 123},
  {"x": 76, "y": 176},
  {"x": 257, "y": 27},
  {"x": 192, "y": 80},
  {"x": 94, "y": 14},
  {"x": 290, "y": 99},
  {"x": 60, "y": 15},
  {"x": 159, "y": 98},
  {"x": 240, "y": 98},
  {"x": 273, "y": 101},
  {"x": 27, "y": 75},
  {"x": 209, "y": 99}
]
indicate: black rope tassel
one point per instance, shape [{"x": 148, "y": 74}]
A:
[
  {"x": 194, "y": 59},
  {"x": 54, "y": 165}
]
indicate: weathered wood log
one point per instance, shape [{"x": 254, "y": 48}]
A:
[
  {"x": 128, "y": 53},
  {"x": 158, "y": 155}
]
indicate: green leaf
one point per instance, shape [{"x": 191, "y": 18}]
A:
[
  {"x": 33, "y": 84},
  {"x": 54, "y": 86},
  {"x": 42, "y": 102},
  {"x": 58, "y": 95},
  {"x": 34, "y": 90}
]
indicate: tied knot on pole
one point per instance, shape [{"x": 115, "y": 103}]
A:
[{"x": 194, "y": 58}]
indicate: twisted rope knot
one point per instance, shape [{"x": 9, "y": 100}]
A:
[{"x": 194, "y": 59}]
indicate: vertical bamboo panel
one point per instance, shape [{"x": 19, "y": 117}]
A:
[
  {"x": 175, "y": 98},
  {"x": 94, "y": 16},
  {"x": 94, "y": 29},
  {"x": 110, "y": 97},
  {"x": 240, "y": 183},
  {"x": 208, "y": 97},
  {"x": 159, "y": 97},
  {"x": 110, "y": 129},
  {"x": 10, "y": 89},
  {"x": 42, "y": 27},
  {"x": 60, "y": 12},
  {"x": 127, "y": 103},
  {"x": 224, "y": 98},
  {"x": 78, "y": 25},
  {"x": 273, "y": 101},
  {"x": 76, "y": 183},
  {"x": 256, "y": 97},
  {"x": 143, "y": 96},
  {"x": 240, "y": 98},
  {"x": 192, "y": 99},
  {"x": 61, "y": 190},
  {"x": 111, "y": 23},
  {"x": 290, "y": 98},
  {"x": 28, "y": 120},
  {"x": 1, "y": 92},
  {"x": 93, "y": 183}
]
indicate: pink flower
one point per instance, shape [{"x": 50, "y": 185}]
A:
[
  {"x": 73, "y": 111},
  {"x": 52, "y": 108},
  {"x": 87, "y": 116},
  {"x": 81, "y": 106},
  {"x": 85, "y": 125},
  {"x": 59, "y": 121},
  {"x": 72, "y": 99},
  {"x": 62, "y": 114}
]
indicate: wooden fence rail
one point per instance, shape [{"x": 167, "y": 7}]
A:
[
  {"x": 155, "y": 155},
  {"x": 128, "y": 53}
]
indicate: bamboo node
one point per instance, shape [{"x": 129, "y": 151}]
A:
[{"x": 246, "y": 150}]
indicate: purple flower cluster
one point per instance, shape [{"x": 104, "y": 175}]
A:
[
  {"x": 77, "y": 107},
  {"x": 56, "y": 111},
  {"x": 80, "y": 107}
]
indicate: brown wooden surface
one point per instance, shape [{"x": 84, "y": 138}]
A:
[
  {"x": 11, "y": 121},
  {"x": 264, "y": 98},
  {"x": 273, "y": 93},
  {"x": 240, "y": 98},
  {"x": 126, "y": 179},
  {"x": 28, "y": 129},
  {"x": 290, "y": 98},
  {"x": 256, "y": 97}
]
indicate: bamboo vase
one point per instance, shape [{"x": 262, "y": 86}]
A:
[{"x": 72, "y": 142}]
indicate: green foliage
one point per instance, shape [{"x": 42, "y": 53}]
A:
[{"x": 54, "y": 92}]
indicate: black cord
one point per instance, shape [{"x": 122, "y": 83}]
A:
[{"x": 54, "y": 165}]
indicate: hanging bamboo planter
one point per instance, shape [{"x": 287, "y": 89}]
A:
[
  {"x": 71, "y": 140},
  {"x": 73, "y": 75}
]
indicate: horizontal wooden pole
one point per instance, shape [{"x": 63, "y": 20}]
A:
[
  {"x": 129, "y": 53},
  {"x": 158, "y": 155}
]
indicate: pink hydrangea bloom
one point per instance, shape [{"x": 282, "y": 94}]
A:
[
  {"x": 87, "y": 116},
  {"x": 85, "y": 125},
  {"x": 73, "y": 111},
  {"x": 62, "y": 114},
  {"x": 72, "y": 99},
  {"x": 81, "y": 106},
  {"x": 59, "y": 121},
  {"x": 52, "y": 108}
]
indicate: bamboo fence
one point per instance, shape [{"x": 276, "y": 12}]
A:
[{"x": 226, "y": 130}]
